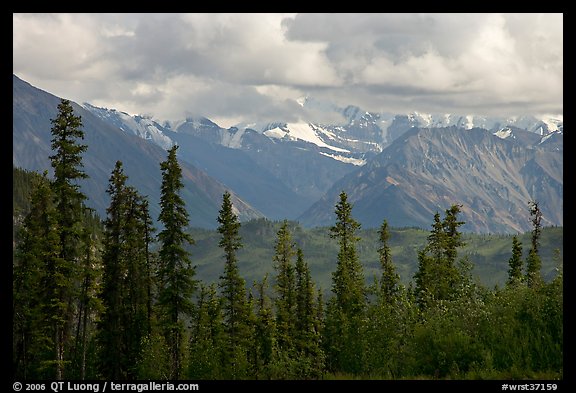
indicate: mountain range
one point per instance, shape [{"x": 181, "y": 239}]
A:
[
  {"x": 399, "y": 167},
  {"x": 34, "y": 108}
]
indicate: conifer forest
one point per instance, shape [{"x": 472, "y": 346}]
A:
[{"x": 119, "y": 297}]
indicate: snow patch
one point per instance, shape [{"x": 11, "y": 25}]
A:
[
  {"x": 503, "y": 133},
  {"x": 234, "y": 141},
  {"x": 301, "y": 131},
  {"x": 347, "y": 160}
]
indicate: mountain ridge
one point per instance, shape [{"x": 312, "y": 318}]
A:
[
  {"x": 291, "y": 170},
  {"x": 32, "y": 110},
  {"x": 427, "y": 170}
]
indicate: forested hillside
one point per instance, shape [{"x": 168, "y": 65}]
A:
[
  {"x": 488, "y": 253},
  {"x": 116, "y": 299}
]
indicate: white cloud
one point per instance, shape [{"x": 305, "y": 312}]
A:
[{"x": 253, "y": 66}]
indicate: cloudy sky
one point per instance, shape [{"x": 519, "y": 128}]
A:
[{"x": 253, "y": 67}]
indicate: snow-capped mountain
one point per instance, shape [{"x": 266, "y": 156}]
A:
[
  {"x": 141, "y": 126},
  {"x": 492, "y": 175},
  {"x": 281, "y": 168},
  {"x": 34, "y": 108}
]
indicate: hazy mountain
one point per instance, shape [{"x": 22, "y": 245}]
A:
[
  {"x": 492, "y": 174},
  {"x": 402, "y": 167},
  {"x": 199, "y": 144},
  {"x": 32, "y": 111},
  {"x": 279, "y": 177}
]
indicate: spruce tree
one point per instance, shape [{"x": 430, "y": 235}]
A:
[
  {"x": 62, "y": 288},
  {"x": 344, "y": 331},
  {"x": 348, "y": 279},
  {"x": 207, "y": 336},
  {"x": 125, "y": 295},
  {"x": 438, "y": 276},
  {"x": 453, "y": 237},
  {"x": 515, "y": 262},
  {"x": 38, "y": 251},
  {"x": 307, "y": 330},
  {"x": 264, "y": 346},
  {"x": 175, "y": 271},
  {"x": 285, "y": 301},
  {"x": 389, "y": 280},
  {"x": 89, "y": 303},
  {"x": 110, "y": 328},
  {"x": 236, "y": 310},
  {"x": 533, "y": 261}
]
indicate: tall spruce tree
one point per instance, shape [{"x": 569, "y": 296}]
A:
[
  {"x": 348, "y": 279},
  {"x": 236, "y": 310},
  {"x": 62, "y": 277},
  {"x": 37, "y": 253},
  {"x": 437, "y": 277},
  {"x": 515, "y": 262},
  {"x": 125, "y": 296},
  {"x": 89, "y": 303},
  {"x": 307, "y": 341},
  {"x": 175, "y": 271},
  {"x": 285, "y": 301},
  {"x": 389, "y": 280},
  {"x": 533, "y": 261},
  {"x": 452, "y": 235},
  {"x": 264, "y": 347},
  {"x": 344, "y": 338},
  {"x": 207, "y": 336}
]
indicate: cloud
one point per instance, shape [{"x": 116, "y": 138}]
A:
[{"x": 253, "y": 66}]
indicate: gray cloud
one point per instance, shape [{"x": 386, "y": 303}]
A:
[{"x": 252, "y": 67}]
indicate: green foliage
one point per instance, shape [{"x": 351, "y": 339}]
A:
[
  {"x": 389, "y": 280},
  {"x": 488, "y": 253},
  {"x": 236, "y": 308},
  {"x": 23, "y": 183},
  {"x": 69, "y": 273},
  {"x": 207, "y": 336},
  {"x": 523, "y": 329},
  {"x": 307, "y": 335},
  {"x": 438, "y": 277},
  {"x": 264, "y": 350},
  {"x": 175, "y": 272},
  {"x": 126, "y": 293},
  {"x": 533, "y": 262},
  {"x": 155, "y": 361},
  {"x": 57, "y": 262},
  {"x": 515, "y": 263},
  {"x": 344, "y": 334},
  {"x": 348, "y": 279},
  {"x": 285, "y": 301},
  {"x": 37, "y": 255}
]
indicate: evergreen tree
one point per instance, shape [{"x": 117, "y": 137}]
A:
[
  {"x": 453, "y": 237},
  {"x": 423, "y": 280},
  {"x": 307, "y": 334},
  {"x": 125, "y": 296},
  {"x": 285, "y": 301},
  {"x": 111, "y": 360},
  {"x": 175, "y": 272},
  {"x": 236, "y": 310},
  {"x": 438, "y": 277},
  {"x": 207, "y": 336},
  {"x": 389, "y": 280},
  {"x": 38, "y": 251},
  {"x": 344, "y": 338},
  {"x": 533, "y": 262},
  {"x": 515, "y": 262},
  {"x": 348, "y": 279},
  {"x": 89, "y": 303},
  {"x": 264, "y": 333},
  {"x": 62, "y": 290}
]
